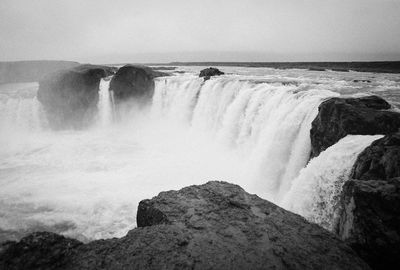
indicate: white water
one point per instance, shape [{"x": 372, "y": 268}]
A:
[
  {"x": 105, "y": 104},
  {"x": 315, "y": 192},
  {"x": 267, "y": 126},
  {"x": 87, "y": 184},
  {"x": 21, "y": 113}
]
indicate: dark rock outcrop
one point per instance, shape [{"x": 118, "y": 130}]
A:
[
  {"x": 70, "y": 96},
  {"x": 212, "y": 226},
  {"x": 30, "y": 71},
  {"x": 134, "y": 82},
  {"x": 338, "y": 117},
  {"x": 370, "y": 221},
  {"x": 209, "y": 72},
  {"x": 370, "y": 206},
  {"x": 380, "y": 160},
  {"x": 45, "y": 251}
]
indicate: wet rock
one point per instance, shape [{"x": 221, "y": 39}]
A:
[
  {"x": 380, "y": 160},
  {"x": 370, "y": 221},
  {"x": 134, "y": 82},
  {"x": 212, "y": 226},
  {"x": 370, "y": 206},
  {"x": 70, "y": 96},
  {"x": 209, "y": 72},
  {"x": 338, "y": 117}
]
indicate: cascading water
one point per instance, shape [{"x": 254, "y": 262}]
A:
[
  {"x": 105, "y": 104},
  {"x": 268, "y": 125},
  {"x": 249, "y": 130},
  {"x": 21, "y": 112},
  {"x": 315, "y": 193}
]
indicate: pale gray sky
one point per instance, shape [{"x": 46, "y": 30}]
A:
[{"x": 106, "y": 31}]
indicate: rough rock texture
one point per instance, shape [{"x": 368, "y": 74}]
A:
[
  {"x": 30, "y": 71},
  {"x": 134, "y": 81},
  {"x": 370, "y": 215},
  {"x": 70, "y": 96},
  {"x": 380, "y": 160},
  {"x": 338, "y": 117},
  {"x": 208, "y": 72},
  {"x": 213, "y": 226},
  {"x": 370, "y": 221},
  {"x": 37, "y": 251}
]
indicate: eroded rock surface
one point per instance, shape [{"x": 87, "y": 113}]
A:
[
  {"x": 338, "y": 117},
  {"x": 212, "y": 226},
  {"x": 380, "y": 160},
  {"x": 370, "y": 215},
  {"x": 70, "y": 96},
  {"x": 370, "y": 221},
  {"x": 42, "y": 250}
]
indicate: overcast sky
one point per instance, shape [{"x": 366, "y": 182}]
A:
[{"x": 105, "y": 31}]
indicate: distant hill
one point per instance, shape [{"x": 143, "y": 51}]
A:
[
  {"x": 30, "y": 71},
  {"x": 378, "y": 67}
]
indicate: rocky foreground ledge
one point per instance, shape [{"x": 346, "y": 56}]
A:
[{"x": 212, "y": 226}]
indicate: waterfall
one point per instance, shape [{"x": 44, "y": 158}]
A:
[
  {"x": 315, "y": 193},
  {"x": 242, "y": 129},
  {"x": 267, "y": 124},
  {"x": 105, "y": 104},
  {"x": 21, "y": 112}
]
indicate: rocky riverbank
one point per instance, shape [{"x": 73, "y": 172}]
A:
[{"x": 212, "y": 226}]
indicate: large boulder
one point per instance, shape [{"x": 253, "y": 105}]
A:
[
  {"x": 134, "y": 82},
  {"x": 370, "y": 221},
  {"x": 30, "y": 71},
  {"x": 209, "y": 72},
  {"x": 338, "y": 117},
  {"x": 380, "y": 160},
  {"x": 70, "y": 96},
  {"x": 212, "y": 226}
]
